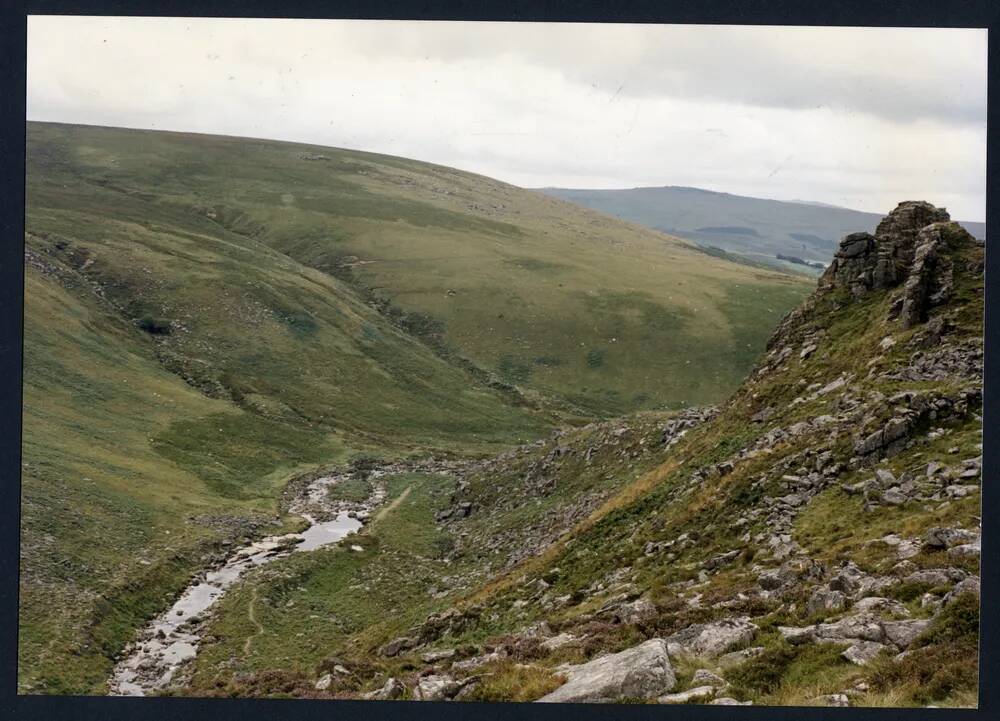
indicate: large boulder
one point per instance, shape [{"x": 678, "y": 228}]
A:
[
  {"x": 903, "y": 633},
  {"x": 643, "y": 671},
  {"x": 437, "y": 687},
  {"x": 862, "y": 652},
  {"x": 712, "y": 639},
  {"x": 947, "y": 537}
]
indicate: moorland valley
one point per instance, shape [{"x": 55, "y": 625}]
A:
[{"x": 311, "y": 422}]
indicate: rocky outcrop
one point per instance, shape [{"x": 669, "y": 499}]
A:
[
  {"x": 643, "y": 671},
  {"x": 908, "y": 249},
  {"x": 868, "y": 400},
  {"x": 930, "y": 281}
]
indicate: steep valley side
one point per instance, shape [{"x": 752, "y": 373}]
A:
[{"x": 813, "y": 541}]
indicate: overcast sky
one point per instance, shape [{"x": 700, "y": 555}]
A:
[{"x": 859, "y": 117}]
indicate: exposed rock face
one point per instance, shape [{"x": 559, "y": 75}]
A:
[
  {"x": 643, "y": 671},
  {"x": 931, "y": 276},
  {"x": 853, "y": 262},
  {"x": 896, "y": 240},
  {"x": 905, "y": 250}
]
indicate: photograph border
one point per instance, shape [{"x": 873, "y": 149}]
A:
[{"x": 912, "y": 13}]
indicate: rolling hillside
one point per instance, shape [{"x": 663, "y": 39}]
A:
[
  {"x": 176, "y": 375},
  {"x": 606, "y": 316},
  {"x": 207, "y": 318},
  {"x": 754, "y": 228}
]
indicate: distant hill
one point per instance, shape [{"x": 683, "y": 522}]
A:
[{"x": 755, "y": 228}]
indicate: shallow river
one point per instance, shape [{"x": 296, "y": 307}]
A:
[{"x": 172, "y": 638}]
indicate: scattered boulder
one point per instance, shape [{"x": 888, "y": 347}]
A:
[
  {"x": 632, "y": 612},
  {"x": 966, "y": 550},
  {"x": 823, "y": 600},
  {"x": 558, "y": 641},
  {"x": 859, "y": 627},
  {"x": 437, "y": 687},
  {"x": 704, "y": 677},
  {"x": 393, "y": 688},
  {"x": 881, "y": 605},
  {"x": 439, "y": 655},
  {"x": 699, "y": 693},
  {"x": 862, "y": 652},
  {"x": 903, "y": 633},
  {"x": 643, "y": 671},
  {"x": 396, "y": 645},
  {"x": 967, "y": 585},
  {"x": 837, "y": 700},
  {"x": 798, "y": 635},
  {"x": 735, "y": 658},
  {"x": 936, "y": 576},
  {"x": 948, "y": 537},
  {"x": 477, "y": 661},
  {"x": 721, "y": 560},
  {"x": 712, "y": 639}
]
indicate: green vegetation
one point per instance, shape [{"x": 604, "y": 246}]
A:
[
  {"x": 207, "y": 317},
  {"x": 480, "y": 270},
  {"x": 211, "y": 318},
  {"x": 310, "y": 603},
  {"x": 529, "y": 554},
  {"x": 178, "y": 370}
]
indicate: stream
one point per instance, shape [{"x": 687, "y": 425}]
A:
[{"x": 151, "y": 661}]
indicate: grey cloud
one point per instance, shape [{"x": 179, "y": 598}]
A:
[
  {"x": 899, "y": 74},
  {"x": 857, "y": 117}
]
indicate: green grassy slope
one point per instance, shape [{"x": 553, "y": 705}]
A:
[
  {"x": 176, "y": 372},
  {"x": 607, "y": 316},
  {"x": 724, "y": 512},
  {"x": 207, "y": 317},
  {"x": 667, "y": 516}
]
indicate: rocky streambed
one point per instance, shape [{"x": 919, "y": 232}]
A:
[{"x": 150, "y": 663}]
